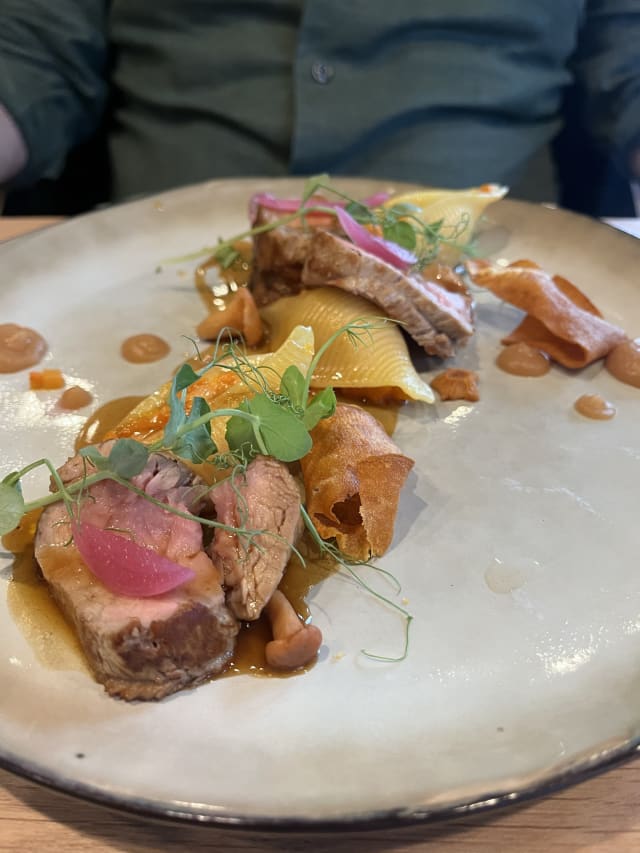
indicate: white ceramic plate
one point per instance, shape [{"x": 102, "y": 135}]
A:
[{"x": 516, "y": 544}]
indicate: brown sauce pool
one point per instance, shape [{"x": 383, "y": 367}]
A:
[
  {"x": 298, "y": 580},
  {"x": 104, "y": 419},
  {"x": 623, "y": 362},
  {"x": 595, "y": 407},
  {"x": 144, "y": 348},
  {"x": 32, "y": 608},
  {"x": 385, "y": 413},
  {"x": 522, "y": 360},
  {"x": 214, "y": 282},
  {"x": 387, "y": 416},
  {"x": 20, "y": 347},
  {"x": 39, "y": 619}
]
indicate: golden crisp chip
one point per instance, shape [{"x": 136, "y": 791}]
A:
[
  {"x": 353, "y": 476},
  {"x": 561, "y": 320}
]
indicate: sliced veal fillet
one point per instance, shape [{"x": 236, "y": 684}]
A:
[
  {"x": 561, "y": 321},
  {"x": 267, "y": 498},
  {"x": 435, "y": 314},
  {"x": 141, "y": 648},
  {"x": 279, "y": 255}
]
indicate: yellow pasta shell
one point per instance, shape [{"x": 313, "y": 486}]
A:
[
  {"x": 381, "y": 361},
  {"x": 460, "y": 211},
  {"x": 221, "y": 388}
]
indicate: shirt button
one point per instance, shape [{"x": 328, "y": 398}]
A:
[{"x": 322, "y": 73}]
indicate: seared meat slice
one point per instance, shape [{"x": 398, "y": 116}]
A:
[
  {"x": 266, "y": 497},
  {"x": 141, "y": 648},
  {"x": 279, "y": 255},
  {"x": 436, "y": 317}
]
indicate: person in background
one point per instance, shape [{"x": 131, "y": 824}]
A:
[{"x": 105, "y": 101}]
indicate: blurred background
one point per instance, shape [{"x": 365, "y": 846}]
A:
[{"x": 114, "y": 99}]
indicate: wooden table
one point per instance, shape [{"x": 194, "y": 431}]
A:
[
  {"x": 602, "y": 814},
  {"x": 14, "y": 226}
]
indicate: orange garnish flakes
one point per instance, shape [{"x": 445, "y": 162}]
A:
[
  {"x": 456, "y": 384},
  {"x": 561, "y": 321},
  {"x": 150, "y": 417},
  {"x": 46, "y": 380}
]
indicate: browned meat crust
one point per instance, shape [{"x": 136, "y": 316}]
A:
[
  {"x": 266, "y": 497},
  {"x": 141, "y": 648},
  {"x": 436, "y": 317},
  {"x": 278, "y": 256}
]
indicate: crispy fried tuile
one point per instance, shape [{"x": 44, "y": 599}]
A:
[
  {"x": 561, "y": 320},
  {"x": 353, "y": 477},
  {"x": 568, "y": 288},
  {"x": 457, "y": 384},
  {"x": 532, "y": 331},
  {"x": 240, "y": 315}
]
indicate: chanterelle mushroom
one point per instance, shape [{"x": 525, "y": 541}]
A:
[
  {"x": 294, "y": 644},
  {"x": 240, "y": 314}
]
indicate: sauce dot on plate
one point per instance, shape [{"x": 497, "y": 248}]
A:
[
  {"x": 523, "y": 360},
  {"x": 504, "y": 578},
  {"x": 594, "y": 406},
  {"x": 623, "y": 362},
  {"x": 74, "y": 397},
  {"x": 144, "y": 348},
  {"x": 20, "y": 347}
]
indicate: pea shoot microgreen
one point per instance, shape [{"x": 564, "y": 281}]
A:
[{"x": 350, "y": 567}]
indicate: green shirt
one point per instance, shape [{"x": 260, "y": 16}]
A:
[{"x": 444, "y": 92}]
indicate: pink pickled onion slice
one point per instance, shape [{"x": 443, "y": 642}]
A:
[
  {"x": 124, "y": 567},
  {"x": 393, "y": 254},
  {"x": 291, "y": 205},
  {"x": 286, "y": 205},
  {"x": 283, "y": 205},
  {"x": 376, "y": 200}
]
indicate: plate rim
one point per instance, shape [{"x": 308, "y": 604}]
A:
[{"x": 179, "y": 814}]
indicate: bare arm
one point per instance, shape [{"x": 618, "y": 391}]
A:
[
  {"x": 52, "y": 86},
  {"x": 13, "y": 151}
]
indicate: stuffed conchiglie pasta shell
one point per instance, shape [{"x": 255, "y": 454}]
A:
[
  {"x": 381, "y": 361},
  {"x": 459, "y": 211},
  {"x": 222, "y": 388}
]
